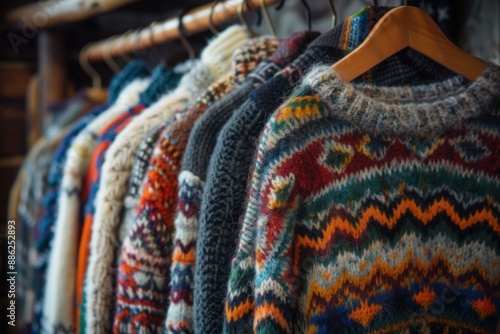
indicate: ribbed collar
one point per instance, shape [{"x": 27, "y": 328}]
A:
[
  {"x": 215, "y": 60},
  {"x": 407, "y": 111}
]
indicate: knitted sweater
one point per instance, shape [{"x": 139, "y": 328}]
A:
[
  {"x": 137, "y": 177},
  {"x": 44, "y": 232},
  {"x": 58, "y": 310},
  {"x": 99, "y": 288},
  {"x": 179, "y": 315},
  {"x": 224, "y": 196},
  {"x": 141, "y": 257},
  {"x": 374, "y": 209},
  {"x": 162, "y": 80},
  {"x": 36, "y": 167},
  {"x": 198, "y": 152}
]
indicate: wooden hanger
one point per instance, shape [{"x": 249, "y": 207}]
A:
[
  {"x": 402, "y": 27},
  {"x": 96, "y": 92}
]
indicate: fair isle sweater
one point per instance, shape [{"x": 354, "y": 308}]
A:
[
  {"x": 115, "y": 174},
  {"x": 58, "y": 306},
  {"x": 141, "y": 163},
  {"x": 191, "y": 179},
  {"x": 162, "y": 81},
  {"x": 224, "y": 194},
  {"x": 374, "y": 209},
  {"x": 140, "y": 256}
]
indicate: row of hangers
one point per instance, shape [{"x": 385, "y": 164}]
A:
[{"x": 403, "y": 26}]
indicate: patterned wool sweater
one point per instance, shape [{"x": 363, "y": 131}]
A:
[
  {"x": 58, "y": 307},
  {"x": 179, "y": 315},
  {"x": 36, "y": 169},
  {"x": 224, "y": 195},
  {"x": 191, "y": 180},
  {"x": 99, "y": 288},
  {"x": 162, "y": 80},
  {"x": 140, "y": 256},
  {"x": 141, "y": 163},
  {"x": 133, "y": 70},
  {"x": 374, "y": 210}
]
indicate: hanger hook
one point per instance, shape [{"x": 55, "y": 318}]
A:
[
  {"x": 107, "y": 55},
  {"x": 211, "y": 24},
  {"x": 282, "y": 2},
  {"x": 308, "y": 12},
  {"x": 89, "y": 70},
  {"x": 183, "y": 38},
  {"x": 334, "y": 12},
  {"x": 123, "y": 40},
  {"x": 267, "y": 17},
  {"x": 242, "y": 17}
]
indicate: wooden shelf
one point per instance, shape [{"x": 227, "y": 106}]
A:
[{"x": 55, "y": 12}]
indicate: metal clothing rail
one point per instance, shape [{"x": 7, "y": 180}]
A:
[
  {"x": 44, "y": 14},
  {"x": 194, "y": 21}
]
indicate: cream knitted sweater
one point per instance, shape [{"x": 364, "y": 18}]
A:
[
  {"x": 58, "y": 305},
  {"x": 99, "y": 291}
]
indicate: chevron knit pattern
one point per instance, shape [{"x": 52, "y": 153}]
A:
[
  {"x": 137, "y": 179},
  {"x": 99, "y": 288},
  {"x": 374, "y": 210},
  {"x": 150, "y": 239},
  {"x": 59, "y": 307}
]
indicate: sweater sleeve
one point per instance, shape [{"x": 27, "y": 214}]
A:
[{"x": 262, "y": 286}]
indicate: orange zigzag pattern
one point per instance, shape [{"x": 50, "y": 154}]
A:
[
  {"x": 338, "y": 224},
  {"x": 239, "y": 311}
]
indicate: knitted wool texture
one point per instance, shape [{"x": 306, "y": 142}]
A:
[
  {"x": 88, "y": 194},
  {"x": 162, "y": 80},
  {"x": 198, "y": 152},
  {"x": 139, "y": 253},
  {"x": 179, "y": 315},
  {"x": 36, "y": 167},
  {"x": 58, "y": 307},
  {"x": 141, "y": 163},
  {"x": 44, "y": 230},
  {"x": 223, "y": 198},
  {"x": 368, "y": 206},
  {"x": 137, "y": 178},
  {"x": 133, "y": 70},
  {"x": 99, "y": 288}
]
